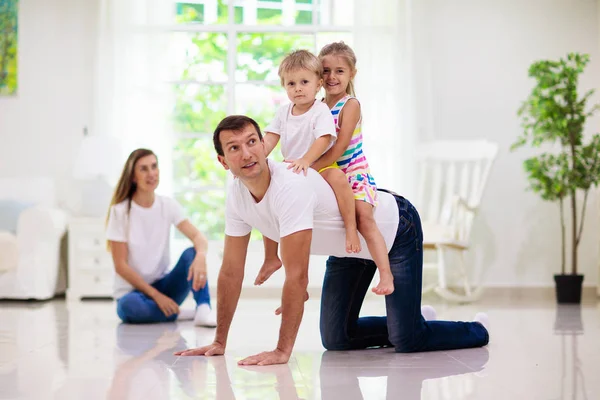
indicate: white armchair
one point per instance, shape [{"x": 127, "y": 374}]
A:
[
  {"x": 452, "y": 178},
  {"x": 30, "y": 259}
]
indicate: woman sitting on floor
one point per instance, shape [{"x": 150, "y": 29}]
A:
[{"x": 138, "y": 232}]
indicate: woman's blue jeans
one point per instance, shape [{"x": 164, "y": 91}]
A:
[
  {"x": 347, "y": 280},
  {"x": 137, "y": 308}
]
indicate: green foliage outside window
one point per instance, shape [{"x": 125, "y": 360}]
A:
[{"x": 201, "y": 100}]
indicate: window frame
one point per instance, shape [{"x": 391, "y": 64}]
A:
[{"x": 232, "y": 30}]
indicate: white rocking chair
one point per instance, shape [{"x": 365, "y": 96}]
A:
[{"x": 451, "y": 181}]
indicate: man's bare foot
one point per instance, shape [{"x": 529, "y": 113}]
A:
[
  {"x": 268, "y": 268},
  {"x": 352, "y": 241},
  {"x": 386, "y": 284},
  {"x": 278, "y": 311}
]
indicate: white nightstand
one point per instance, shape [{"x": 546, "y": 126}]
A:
[{"x": 91, "y": 271}]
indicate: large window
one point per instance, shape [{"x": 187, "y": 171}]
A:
[{"x": 224, "y": 60}]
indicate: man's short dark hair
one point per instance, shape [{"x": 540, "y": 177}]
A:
[{"x": 232, "y": 123}]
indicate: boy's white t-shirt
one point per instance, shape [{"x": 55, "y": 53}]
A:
[
  {"x": 147, "y": 233},
  {"x": 294, "y": 202},
  {"x": 298, "y": 132}
]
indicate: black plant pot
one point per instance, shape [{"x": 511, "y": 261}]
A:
[{"x": 568, "y": 288}]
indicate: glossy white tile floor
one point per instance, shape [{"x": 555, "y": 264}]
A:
[{"x": 59, "y": 350}]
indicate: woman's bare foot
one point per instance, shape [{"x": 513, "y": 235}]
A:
[
  {"x": 352, "y": 241},
  {"x": 386, "y": 284},
  {"x": 268, "y": 268}
]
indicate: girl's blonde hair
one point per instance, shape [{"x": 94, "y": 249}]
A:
[
  {"x": 341, "y": 49},
  {"x": 300, "y": 59},
  {"x": 126, "y": 187}
]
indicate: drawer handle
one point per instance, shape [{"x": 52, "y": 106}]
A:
[
  {"x": 96, "y": 242},
  {"x": 96, "y": 260},
  {"x": 96, "y": 279}
]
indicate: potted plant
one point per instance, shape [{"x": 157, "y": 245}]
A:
[{"x": 555, "y": 115}]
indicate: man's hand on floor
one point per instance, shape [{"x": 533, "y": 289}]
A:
[
  {"x": 266, "y": 358},
  {"x": 214, "y": 349}
]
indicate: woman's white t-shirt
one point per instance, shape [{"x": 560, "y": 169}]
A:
[{"x": 147, "y": 234}]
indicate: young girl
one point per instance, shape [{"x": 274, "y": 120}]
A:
[
  {"x": 339, "y": 69},
  {"x": 138, "y": 228}
]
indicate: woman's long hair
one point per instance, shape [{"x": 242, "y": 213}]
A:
[{"x": 126, "y": 187}]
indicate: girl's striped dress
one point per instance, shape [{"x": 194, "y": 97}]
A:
[{"x": 353, "y": 162}]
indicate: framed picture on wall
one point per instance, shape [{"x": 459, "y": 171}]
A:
[{"x": 8, "y": 46}]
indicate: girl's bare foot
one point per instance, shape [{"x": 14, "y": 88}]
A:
[
  {"x": 268, "y": 268},
  {"x": 386, "y": 284},
  {"x": 352, "y": 241}
]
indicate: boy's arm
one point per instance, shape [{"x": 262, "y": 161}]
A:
[
  {"x": 273, "y": 130},
  {"x": 315, "y": 151},
  {"x": 271, "y": 139}
]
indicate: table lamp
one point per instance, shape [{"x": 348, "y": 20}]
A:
[{"x": 97, "y": 167}]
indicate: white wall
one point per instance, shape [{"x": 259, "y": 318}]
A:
[
  {"x": 472, "y": 57},
  {"x": 41, "y": 127}
]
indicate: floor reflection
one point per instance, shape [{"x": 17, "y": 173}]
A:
[
  {"x": 350, "y": 376},
  {"x": 340, "y": 375},
  {"x": 55, "y": 350},
  {"x": 144, "y": 355},
  {"x": 32, "y": 337},
  {"x": 568, "y": 324}
]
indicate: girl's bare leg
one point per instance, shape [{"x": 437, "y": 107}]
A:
[
  {"x": 376, "y": 244},
  {"x": 345, "y": 198}
]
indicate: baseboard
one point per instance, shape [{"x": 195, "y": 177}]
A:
[
  {"x": 257, "y": 292},
  {"x": 508, "y": 294},
  {"x": 504, "y": 295}
]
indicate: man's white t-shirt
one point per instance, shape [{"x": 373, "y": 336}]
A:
[
  {"x": 294, "y": 202},
  {"x": 298, "y": 132},
  {"x": 147, "y": 234}
]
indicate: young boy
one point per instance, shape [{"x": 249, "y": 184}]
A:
[{"x": 307, "y": 130}]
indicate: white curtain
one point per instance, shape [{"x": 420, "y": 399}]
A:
[
  {"x": 383, "y": 43},
  {"x": 132, "y": 98}
]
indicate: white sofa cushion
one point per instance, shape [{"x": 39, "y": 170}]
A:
[
  {"x": 38, "y": 190},
  {"x": 9, "y": 251},
  {"x": 10, "y": 210}
]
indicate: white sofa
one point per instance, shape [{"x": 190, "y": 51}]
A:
[{"x": 30, "y": 262}]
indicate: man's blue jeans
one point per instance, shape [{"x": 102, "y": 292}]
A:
[
  {"x": 347, "y": 280},
  {"x": 137, "y": 308}
]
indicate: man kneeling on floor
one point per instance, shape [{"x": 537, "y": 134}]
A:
[{"x": 300, "y": 212}]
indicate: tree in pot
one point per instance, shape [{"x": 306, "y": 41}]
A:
[{"x": 554, "y": 114}]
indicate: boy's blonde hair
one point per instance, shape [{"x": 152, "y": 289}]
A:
[
  {"x": 300, "y": 59},
  {"x": 341, "y": 49}
]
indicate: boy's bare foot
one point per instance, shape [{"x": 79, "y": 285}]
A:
[
  {"x": 268, "y": 268},
  {"x": 386, "y": 284},
  {"x": 352, "y": 241},
  {"x": 279, "y": 309}
]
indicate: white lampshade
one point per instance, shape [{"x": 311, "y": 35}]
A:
[
  {"x": 99, "y": 156},
  {"x": 97, "y": 167}
]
